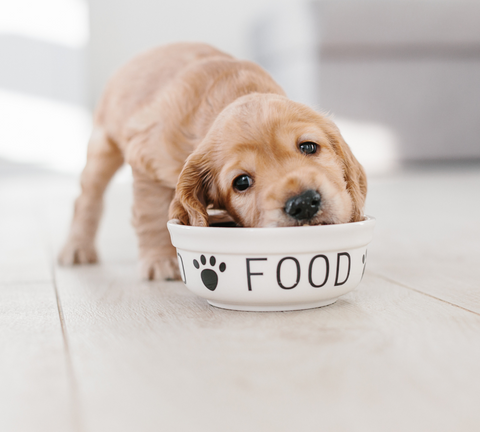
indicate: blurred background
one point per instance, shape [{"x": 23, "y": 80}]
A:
[{"x": 401, "y": 78}]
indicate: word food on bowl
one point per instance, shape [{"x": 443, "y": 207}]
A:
[{"x": 320, "y": 270}]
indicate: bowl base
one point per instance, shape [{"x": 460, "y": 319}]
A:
[{"x": 273, "y": 308}]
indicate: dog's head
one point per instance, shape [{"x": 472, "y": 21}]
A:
[{"x": 269, "y": 161}]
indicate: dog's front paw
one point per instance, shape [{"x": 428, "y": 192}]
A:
[
  {"x": 154, "y": 268},
  {"x": 77, "y": 253}
]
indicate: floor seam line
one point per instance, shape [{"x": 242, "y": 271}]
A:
[
  {"x": 70, "y": 369},
  {"x": 421, "y": 292}
]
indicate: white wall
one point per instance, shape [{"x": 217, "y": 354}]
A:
[
  {"x": 123, "y": 28},
  {"x": 405, "y": 75},
  {"x": 43, "y": 83},
  {"x": 47, "y": 47}
]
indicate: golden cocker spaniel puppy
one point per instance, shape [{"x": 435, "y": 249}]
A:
[{"x": 201, "y": 130}]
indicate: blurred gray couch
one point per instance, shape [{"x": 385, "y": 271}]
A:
[{"x": 412, "y": 66}]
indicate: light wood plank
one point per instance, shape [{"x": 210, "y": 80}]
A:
[
  {"x": 23, "y": 246},
  {"x": 116, "y": 240},
  {"x": 428, "y": 232},
  {"x": 151, "y": 356},
  {"x": 35, "y": 390},
  {"x": 35, "y": 216}
]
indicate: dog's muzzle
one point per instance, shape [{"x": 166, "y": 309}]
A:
[{"x": 305, "y": 206}]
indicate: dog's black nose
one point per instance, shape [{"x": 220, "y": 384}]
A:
[{"x": 303, "y": 206}]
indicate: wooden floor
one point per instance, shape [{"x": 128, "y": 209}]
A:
[{"x": 95, "y": 349}]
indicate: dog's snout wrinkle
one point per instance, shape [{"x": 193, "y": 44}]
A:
[{"x": 303, "y": 206}]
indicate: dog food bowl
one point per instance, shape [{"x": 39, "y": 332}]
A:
[{"x": 272, "y": 269}]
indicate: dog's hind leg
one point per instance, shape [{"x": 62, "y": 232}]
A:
[
  {"x": 103, "y": 160},
  {"x": 158, "y": 257}
]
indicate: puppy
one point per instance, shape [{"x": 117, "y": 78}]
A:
[{"x": 203, "y": 130}]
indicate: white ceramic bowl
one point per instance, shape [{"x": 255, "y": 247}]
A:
[{"x": 272, "y": 269}]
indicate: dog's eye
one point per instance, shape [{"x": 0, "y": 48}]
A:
[
  {"x": 308, "y": 148},
  {"x": 242, "y": 182}
]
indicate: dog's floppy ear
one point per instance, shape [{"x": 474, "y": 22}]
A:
[
  {"x": 354, "y": 175},
  {"x": 190, "y": 201}
]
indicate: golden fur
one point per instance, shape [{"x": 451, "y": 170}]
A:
[{"x": 189, "y": 119}]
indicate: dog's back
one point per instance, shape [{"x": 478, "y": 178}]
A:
[{"x": 143, "y": 79}]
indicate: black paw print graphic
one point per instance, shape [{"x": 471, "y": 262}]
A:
[{"x": 209, "y": 277}]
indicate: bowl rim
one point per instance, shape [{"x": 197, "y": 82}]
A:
[
  {"x": 366, "y": 219},
  {"x": 272, "y": 240}
]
